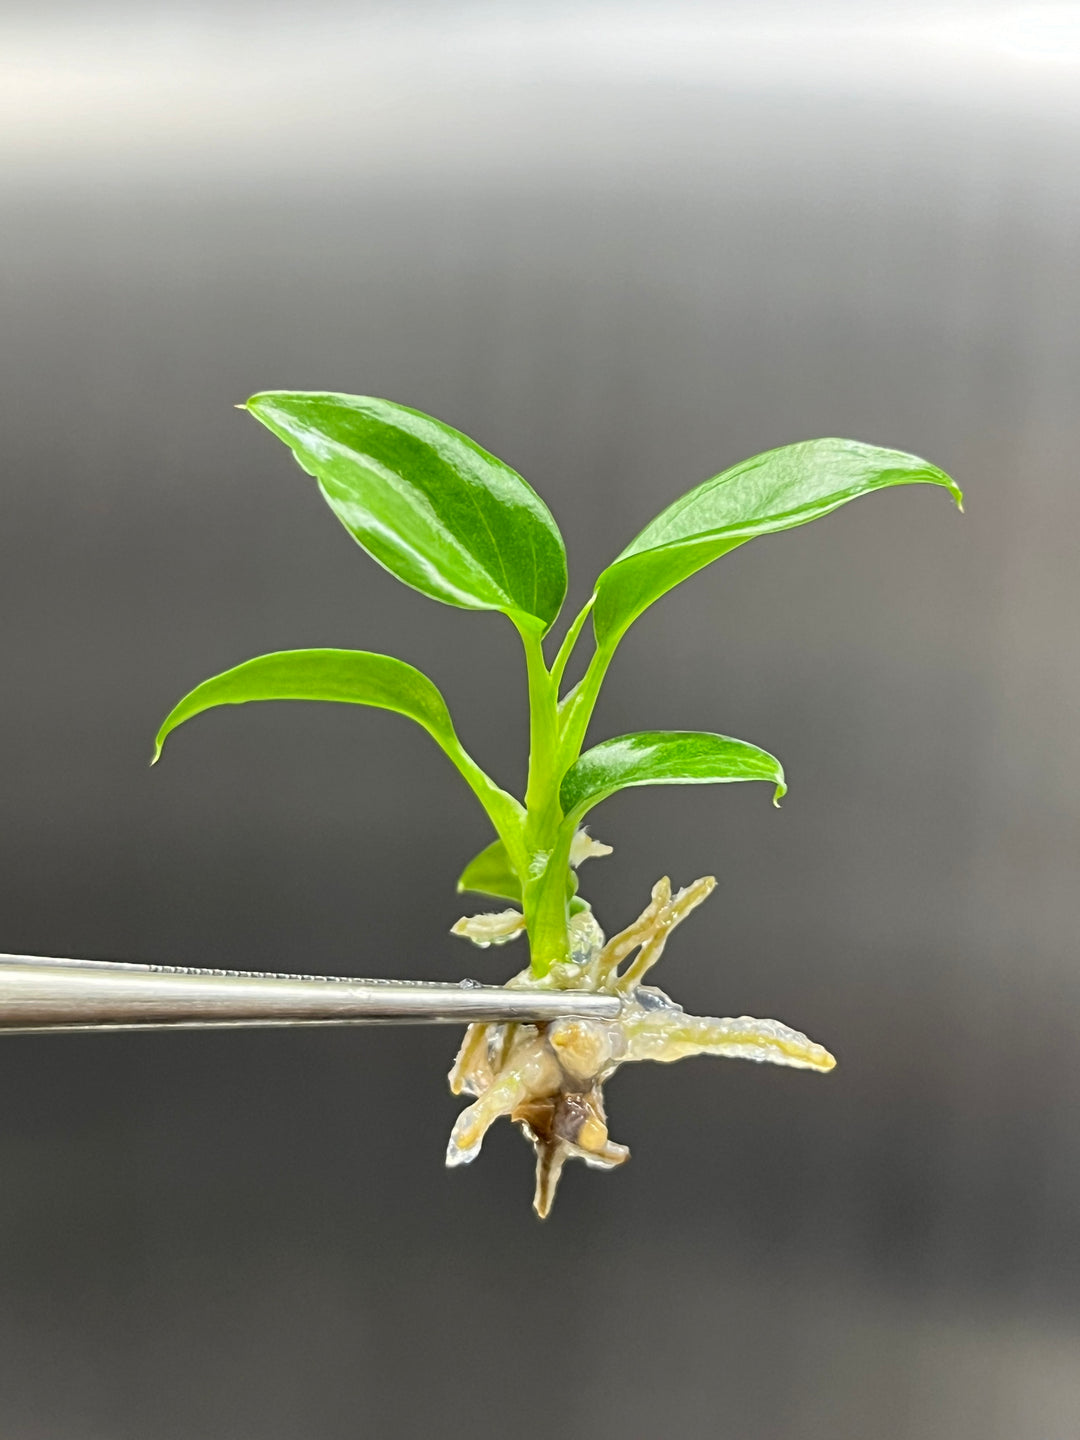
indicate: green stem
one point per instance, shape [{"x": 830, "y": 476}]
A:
[
  {"x": 541, "y": 795},
  {"x": 546, "y": 842},
  {"x": 547, "y": 911}
]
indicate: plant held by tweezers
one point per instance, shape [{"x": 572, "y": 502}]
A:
[{"x": 454, "y": 522}]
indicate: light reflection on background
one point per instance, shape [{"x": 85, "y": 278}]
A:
[
  {"x": 220, "y": 88},
  {"x": 623, "y": 246}
]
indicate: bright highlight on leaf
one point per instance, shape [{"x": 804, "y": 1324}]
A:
[
  {"x": 775, "y": 491},
  {"x": 452, "y": 521},
  {"x": 426, "y": 502},
  {"x": 664, "y": 757}
]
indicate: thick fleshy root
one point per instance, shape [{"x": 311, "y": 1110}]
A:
[{"x": 549, "y": 1078}]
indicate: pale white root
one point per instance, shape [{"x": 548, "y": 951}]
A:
[
  {"x": 549, "y": 1078},
  {"x": 485, "y": 930},
  {"x": 584, "y": 847}
]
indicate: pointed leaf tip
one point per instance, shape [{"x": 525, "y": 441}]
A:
[
  {"x": 356, "y": 677},
  {"x": 768, "y": 493},
  {"x": 664, "y": 757}
]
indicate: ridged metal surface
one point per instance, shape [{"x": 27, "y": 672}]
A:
[{"x": 41, "y": 993}]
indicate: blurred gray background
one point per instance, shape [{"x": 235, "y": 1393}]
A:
[{"x": 624, "y": 247}]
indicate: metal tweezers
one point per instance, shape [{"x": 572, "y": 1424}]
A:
[{"x": 40, "y": 995}]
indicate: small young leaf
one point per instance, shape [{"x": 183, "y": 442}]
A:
[
  {"x": 491, "y": 873},
  {"x": 426, "y": 502},
  {"x": 354, "y": 677},
  {"x": 663, "y": 757},
  {"x": 774, "y": 491}
]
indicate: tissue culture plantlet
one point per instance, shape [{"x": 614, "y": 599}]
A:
[{"x": 457, "y": 524}]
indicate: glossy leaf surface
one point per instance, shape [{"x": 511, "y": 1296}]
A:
[
  {"x": 355, "y": 677},
  {"x": 491, "y": 873},
  {"x": 775, "y": 491},
  {"x": 426, "y": 502},
  {"x": 664, "y": 757}
]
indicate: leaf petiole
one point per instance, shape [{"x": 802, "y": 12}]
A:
[
  {"x": 506, "y": 813},
  {"x": 541, "y": 793},
  {"x": 566, "y": 649},
  {"x": 577, "y": 707}
]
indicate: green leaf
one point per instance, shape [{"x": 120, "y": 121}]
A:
[
  {"x": 426, "y": 502},
  {"x": 774, "y": 491},
  {"x": 663, "y": 757},
  {"x": 353, "y": 677},
  {"x": 491, "y": 873}
]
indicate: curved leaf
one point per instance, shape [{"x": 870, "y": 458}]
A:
[
  {"x": 491, "y": 873},
  {"x": 664, "y": 757},
  {"x": 774, "y": 491},
  {"x": 426, "y": 502},
  {"x": 354, "y": 677}
]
